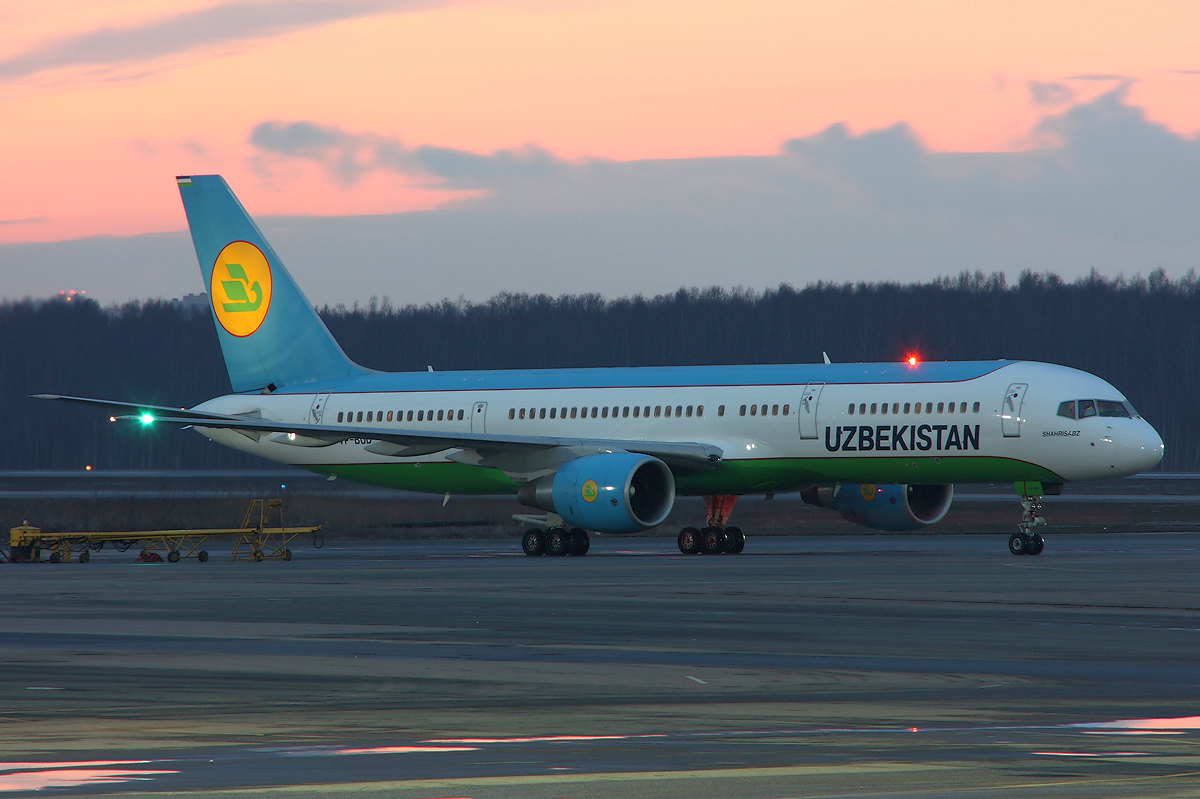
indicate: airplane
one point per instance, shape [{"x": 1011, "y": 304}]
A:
[{"x": 608, "y": 450}]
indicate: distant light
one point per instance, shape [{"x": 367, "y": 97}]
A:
[
  {"x": 88, "y": 467},
  {"x": 112, "y": 418},
  {"x": 147, "y": 418},
  {"x": 912, "y": 360}
]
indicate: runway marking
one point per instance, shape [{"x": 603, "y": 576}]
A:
[
  {"x": 541, "y": 739},
  {"x": 696, "y": 679}
]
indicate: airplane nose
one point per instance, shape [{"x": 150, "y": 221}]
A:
[{"x": 1147, "y": 448}]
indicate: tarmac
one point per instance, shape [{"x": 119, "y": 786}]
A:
[{"x": 832, "y": 666}]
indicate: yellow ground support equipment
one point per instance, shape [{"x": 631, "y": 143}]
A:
[{"x": 262, "y": 535}]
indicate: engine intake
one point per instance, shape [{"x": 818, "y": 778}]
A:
[
  {"x": 895, "y": 508},
  {"x": 617, "y": 492}
]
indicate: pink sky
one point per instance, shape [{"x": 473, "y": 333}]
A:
[{"x": 106, "y": 100}]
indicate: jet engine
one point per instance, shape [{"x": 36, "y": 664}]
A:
[
  {"x": 894, "y": 508},
  {"x": 615, "y": 492}
]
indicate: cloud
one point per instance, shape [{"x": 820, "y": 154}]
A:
[
  {"x": 349, "y": 156},
  {"x": 1106, "y": 188},
  {"x": 220, "y": 24},
  {"x": 1050, "y": 93},
  {"x": 31, "y": 220}
]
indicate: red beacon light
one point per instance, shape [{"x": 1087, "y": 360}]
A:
[{"x": 913, "y": 360}]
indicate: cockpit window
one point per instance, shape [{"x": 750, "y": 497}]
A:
[
  {"x": 1112, "y": 408},
  {"x": 1087, "y": 408},
  {"x": 1067, "y": 409}
]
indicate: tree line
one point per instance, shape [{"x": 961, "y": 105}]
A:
[{"x": 1140, "y": 334}]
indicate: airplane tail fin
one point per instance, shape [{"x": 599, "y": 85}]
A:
[{"x": 269, "y": 332}]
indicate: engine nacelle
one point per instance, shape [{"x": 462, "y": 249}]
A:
[
  {"x": 895, "y": 508},
  {"x": 616, "y": 492}
]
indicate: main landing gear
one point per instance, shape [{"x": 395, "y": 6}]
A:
[
  {"x": 1028, "y": 541},
  {"x": 555, "y": 541},
  {"x": 716, "y": 538}
]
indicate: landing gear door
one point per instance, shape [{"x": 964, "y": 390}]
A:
[
  {"x": 317, "y": 412},
  {"x": 807, "y": 410},
  {"x": 479, "y": 417},
  {"x": 1010, "y": 410}
]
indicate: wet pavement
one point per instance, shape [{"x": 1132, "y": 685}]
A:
[{"x": 808, "y": 666}]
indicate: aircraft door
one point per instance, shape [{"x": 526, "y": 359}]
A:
[
  {"x": 807, "y": 410},
  {"x": 317, "y": 412},
  {"x": 1010, "y": 410},
  {"x": 479, "y": 418}
]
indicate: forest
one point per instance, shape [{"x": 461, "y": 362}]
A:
[{"x": 1142, "y": 334}]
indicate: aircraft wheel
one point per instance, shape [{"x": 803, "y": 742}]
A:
[
  {"x": 580, "y": 543},
  {"x": 712, "y": 541},
  {"x": 203, "y": 556},
  {"x": 287, "y": 554},
  {"x": 85, "y": 556},
  {"x": 173, "y": 556},
  {"x": 1018, "y": 544},
  {"x": 735, "y": 540},
  {"x": 1037, "y": 545},
  {"x": 534, "y": 543},
  {"x": 257, "y": 555},
  {"x": 689, "y": 541},
  {"x": 558, "y": 542}
]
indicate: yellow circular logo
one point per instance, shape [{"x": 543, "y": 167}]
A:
[
  {"x": 868, "y": 491},
  {"x": 241, "y": 288},
  {"x": 590, "y": 491}
]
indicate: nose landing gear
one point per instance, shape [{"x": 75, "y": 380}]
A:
[{"x": 1028, "y": 541}]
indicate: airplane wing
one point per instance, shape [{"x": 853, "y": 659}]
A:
[{"x": 400, "y": 443}]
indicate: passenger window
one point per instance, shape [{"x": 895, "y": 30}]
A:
[
  {"x": 667, "y": 411},
  {"x": 522, "y": 415},
  {"x": 874, "y": 408},
  {"x": 368, "y": 416},
  {"x": 542, "y": 413},
  {"x": 907, "y": 407},
  {"x": 917, "y": 408},
  {"x": 616, "y": 410},
  {"x": 941, "y": 407},
  {"x": 441, "y": 415},
  {"x": 410, "y": 416},
  {"x": 563, "y": 413},
  {"x": 895, "y": 407},
  {"x": 883, "y": 408},
  {"x": 595, "y": 412},
  {"x": 1112, "y": 408},
  {"x": 625, "y": 412},
  {"x": 460, "y": 414},
  {"x": 389, "y": 417},
  {"x": 573, "y": 413},
  {"x": 754, "y": 410},
  {"x": 862, "y": 408},
  {"x": 646, "y": 411},
  {"x": 720, "y": 410},
  {"x": 553, "y": 413},
  {"x": 699, "y": 410},
  {"x": 1087, "y": 408},
  {"x": 743, "y": 410},
  {"x": 785, "y": 409},
  {"x": 950, "y": 408},
  {"x": 1067, "y": 409},
  {"x": 657, "y": 411},
  {"x": 360, "y": 416},
  {"x": 637, "y": 411},
  {"x": 962, "y": 407},
  {"x": 774, "y": 410},
  {"x": 604, "y": 412},
  {"x": 975, "y": 408}
]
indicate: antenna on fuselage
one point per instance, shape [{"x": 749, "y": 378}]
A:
[{"x": 825, "y": 355}]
